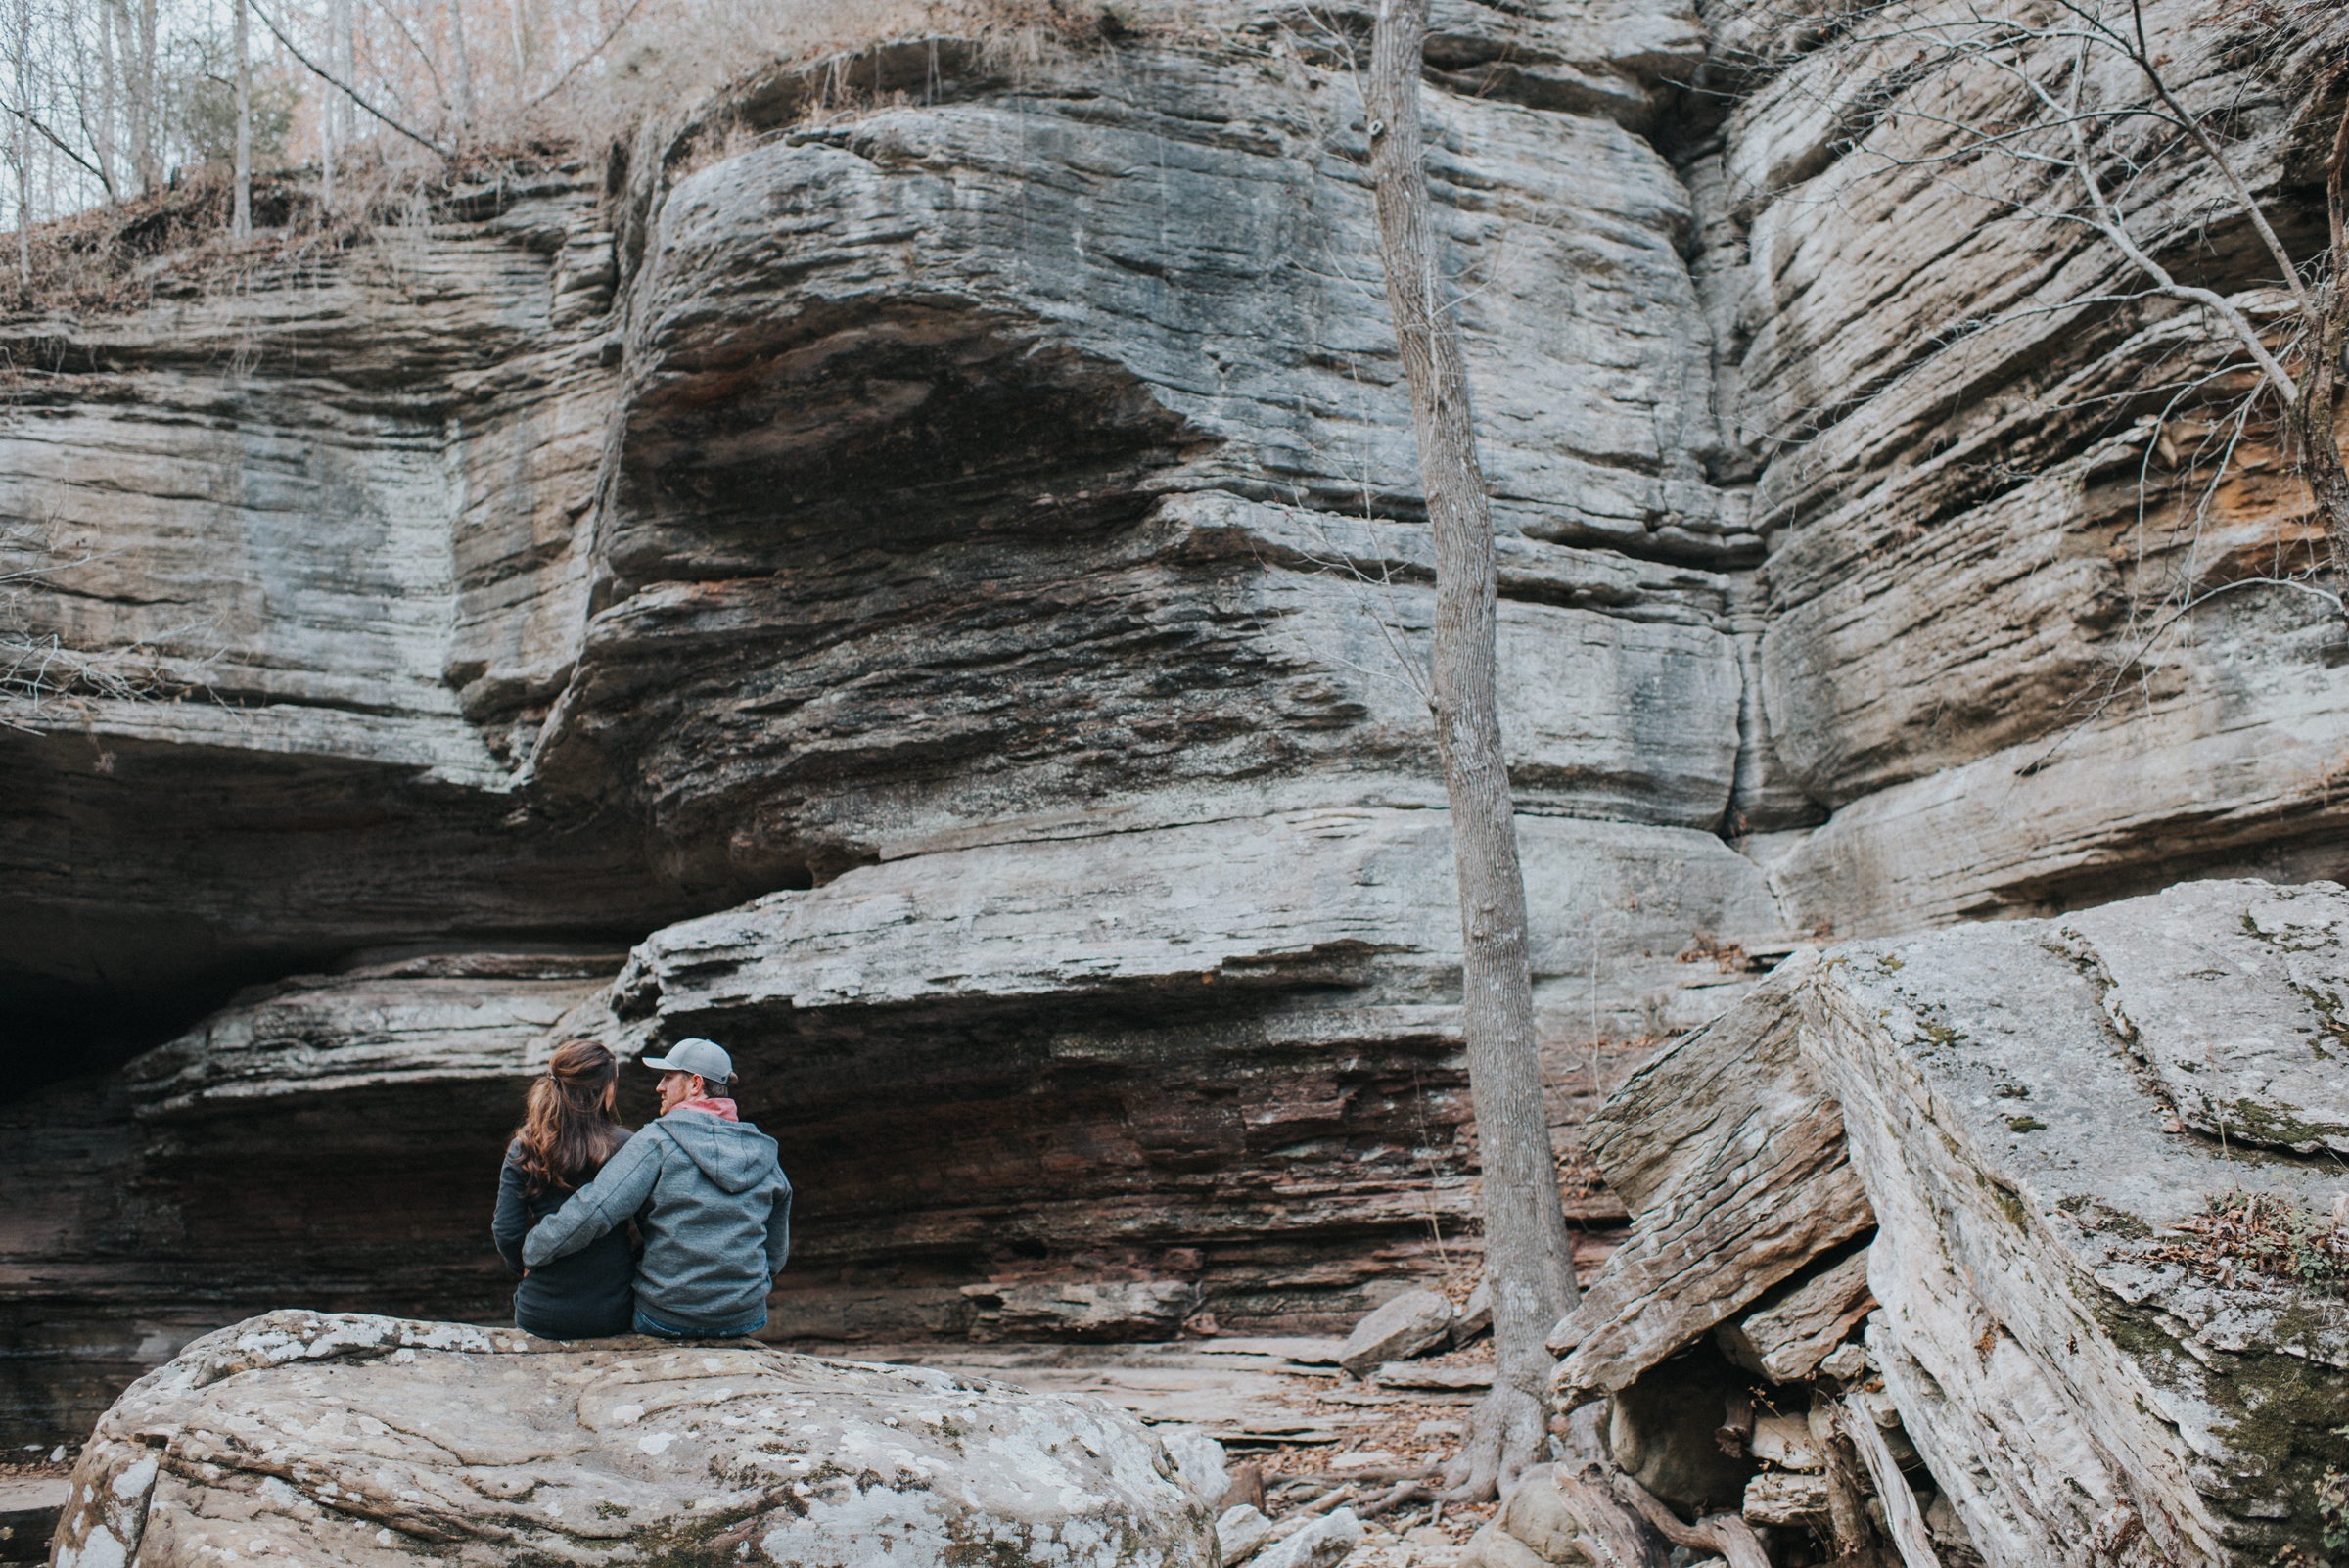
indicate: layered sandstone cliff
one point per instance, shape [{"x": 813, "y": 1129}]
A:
[{"x": 927, "y": 594}]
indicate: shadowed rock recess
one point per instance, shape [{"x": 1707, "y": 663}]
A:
[{"x": 930, "y": 597}]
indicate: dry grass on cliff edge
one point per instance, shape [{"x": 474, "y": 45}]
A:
[{"x": 121, "y": 257}]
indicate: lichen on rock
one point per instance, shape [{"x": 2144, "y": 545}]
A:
[{"x": 349, "y": 1439}]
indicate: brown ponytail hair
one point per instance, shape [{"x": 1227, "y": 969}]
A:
[{"x": 568, "y": 1131}]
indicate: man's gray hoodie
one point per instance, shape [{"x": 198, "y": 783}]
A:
[{"x": 713, "y": 1205}]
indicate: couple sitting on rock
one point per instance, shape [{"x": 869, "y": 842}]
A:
[{"x": 702, "y": 1186}]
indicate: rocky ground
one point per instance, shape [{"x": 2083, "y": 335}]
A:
[{"x": 32, "y": 1497}]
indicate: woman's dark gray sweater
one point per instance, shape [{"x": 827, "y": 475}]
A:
[{"x": 588, "y": 1295}]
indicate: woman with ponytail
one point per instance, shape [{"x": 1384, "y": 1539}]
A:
[{"x": 567, "y": 1133}]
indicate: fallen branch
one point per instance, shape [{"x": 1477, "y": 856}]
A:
[
  {"x": 602, "y": 44},
  {"x": 1723, "y": 1533},
  {"x": 1379, "y": 1472},
  {"x": 39, "y": 124},
  {"x": 1404, "y": 1494},
  {"x": 343, "y": 87}
]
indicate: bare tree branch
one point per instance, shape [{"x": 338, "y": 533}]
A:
[
  {"x": 2108, "y": 224},
  {"x": 601, "y": 44},
  {"x": 424, "y": 56},
  {"x": 2142, "y": 53},
  {"x": 349, "y": 91},
  {"x": 35, "y": 122}
]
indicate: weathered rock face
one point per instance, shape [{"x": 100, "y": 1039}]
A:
[
  {"x": 884, "y": 573},
  {"x": 2078, "y": 1351},
  {"x": 905, "y": 539},
  {"x": 288, "y": 514},
  {"x": 452, "y": 1021},
  {"x": 1987, "y": 489},
  {"x": 2032, "y": 1215},
  {"x": 367, "y": 1441},
  {"x": 938, "y": 586}
]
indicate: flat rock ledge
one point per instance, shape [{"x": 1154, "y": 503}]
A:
[{"x": 348, "y": 1438}]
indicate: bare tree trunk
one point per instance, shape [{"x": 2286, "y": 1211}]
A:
[
  {"x": 456, "y": 39},
  {"x": 23, "y": 20},
  {"x": 47, "y": 146},
  {"x": 102, "y": 127},
  {"x": 2312, "y": 425},
  {"x": 347, "y": 60},
  {"x": 142, "y": 102},
  {"x": 1528, "y": 1259},
  {"x": 241, "y": 225},
  {"x": 329, "y": 107}
]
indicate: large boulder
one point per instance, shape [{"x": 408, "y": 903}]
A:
[
  {"x": 2075, "y": 1353},
  {"x": 345, "y": 1439},
  {"x": 2098, "y": 1150}
]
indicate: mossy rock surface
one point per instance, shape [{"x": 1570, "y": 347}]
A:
[{"x": 2079, "y": 1354}]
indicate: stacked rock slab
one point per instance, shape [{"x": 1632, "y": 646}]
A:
[
  {"x": 2073, "y": 1360},
  {"x": 371, "y": 1441},
  {"x": 1730, "y": 1153}
]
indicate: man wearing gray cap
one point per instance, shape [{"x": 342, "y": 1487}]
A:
[{"x": 707, "y": 1191}]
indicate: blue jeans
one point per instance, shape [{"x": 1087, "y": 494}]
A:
[{"x": 647, "y": 1323}]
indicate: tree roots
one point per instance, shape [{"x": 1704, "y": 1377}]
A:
[{"x": 1505, "y": 1433}]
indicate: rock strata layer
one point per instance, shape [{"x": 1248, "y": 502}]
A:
[
  {"x": 1989, "y": 478},
  {"x": 373, "y": 1440}
]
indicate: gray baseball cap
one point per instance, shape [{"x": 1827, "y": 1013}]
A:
[{"x": 700, "y": 1056}]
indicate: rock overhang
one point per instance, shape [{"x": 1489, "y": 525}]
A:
[
  {"x": 496, "y": 610},
  {"x": 1250, "y": 327},
  {"x": 1218, "y": 660},
  {"x": 1076, "y": 914}
]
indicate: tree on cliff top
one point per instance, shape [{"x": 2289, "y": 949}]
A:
[{"x": 1529, "y": 1263}]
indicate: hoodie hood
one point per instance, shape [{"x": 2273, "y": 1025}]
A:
[{"x": 734, "y": 1155}]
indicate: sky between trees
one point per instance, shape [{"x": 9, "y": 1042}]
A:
[{"x": 105, "y": 100}]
